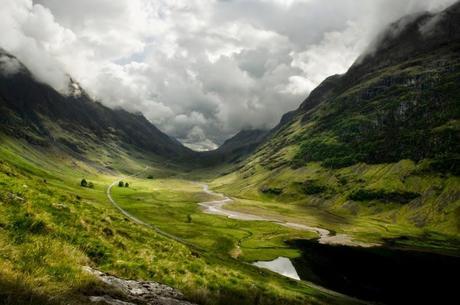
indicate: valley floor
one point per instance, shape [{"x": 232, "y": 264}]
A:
[{"x": 52, "y": 227}]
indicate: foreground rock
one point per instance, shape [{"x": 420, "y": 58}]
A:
[{"x": 137, "y": 292}]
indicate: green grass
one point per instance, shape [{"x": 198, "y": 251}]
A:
[
  {"x": 50, "y": 227},
  {"x": 406, "y": 200},
  {"x": 172, "y": 205}
]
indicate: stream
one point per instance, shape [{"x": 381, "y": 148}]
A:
[
  {"x": 216, "y": 207},
  {"x": 371, "y": 272}
]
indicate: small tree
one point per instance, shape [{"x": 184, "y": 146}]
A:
[
  {"x": 121, "y": 184},
  {"x": 83, "y": 183},
  {"x": 126, "y": 184},
  {"x": 150, "y": 177}
]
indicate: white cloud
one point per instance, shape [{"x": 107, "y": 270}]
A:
[
  {"x": 9, "y": 65},
  {"x": 31, "y": 34},
  {"x": 200, "y": 70}
]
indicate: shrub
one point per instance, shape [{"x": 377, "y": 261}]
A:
[
  {"x": 126, "y": 184},
  {"x": 340, "y": 162},
  {"x": 271, "y": 190},
  {"x": 90, "y": 185},
  {"x": 297, "y": 162},
  {"x": 446, "y": 164},
  {"x": 83, "y": 183},
  {"x": 150, "y": 177},
  {"x": 121, "y": 184},
  {"x": 383, "y": 195},
  {"x": 312, "y": 187}
]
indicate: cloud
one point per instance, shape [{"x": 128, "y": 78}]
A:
[
  {"x": 9, "y": 65},
  {"x": 197, "y": 140},
  {"x": 32, "y": 35},
  {"x": 201, "y": 70}
]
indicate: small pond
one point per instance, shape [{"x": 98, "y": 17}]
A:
[{"x": 281, "y": 265}]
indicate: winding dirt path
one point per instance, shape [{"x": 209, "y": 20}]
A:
[
  {"x": 137, "y": 220},
  {"x": 216, "y": 207}
]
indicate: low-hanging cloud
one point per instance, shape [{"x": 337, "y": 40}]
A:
[
  {"x": 9, "y": 65},
  {"x": 201, "y": 70}
]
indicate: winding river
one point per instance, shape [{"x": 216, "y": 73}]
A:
[{"x": 217, "y": 207}]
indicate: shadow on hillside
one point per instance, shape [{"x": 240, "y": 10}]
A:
[{"x": 15, "y": 292}]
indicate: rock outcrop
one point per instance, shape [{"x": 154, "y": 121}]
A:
[{"x": 136, "y": 292}]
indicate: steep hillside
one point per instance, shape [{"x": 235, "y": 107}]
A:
[
  {"x": 75, "y": 123},
  {"x": 379, "y": 145},
  {"x": 398, "y": 102},
  {"x": 235, "y": 149},
  {"x": 83, "y": 128}
]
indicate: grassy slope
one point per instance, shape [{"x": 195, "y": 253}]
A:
[
  {"x": 49, "y": 229},
  {"x": 345, "y": 164},
  {"x": 432, "y": 219}
]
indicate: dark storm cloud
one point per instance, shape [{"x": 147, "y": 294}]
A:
[{"x": 200, "y": 70}]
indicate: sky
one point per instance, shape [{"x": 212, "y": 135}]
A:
[{"x": 200, "y": 70}]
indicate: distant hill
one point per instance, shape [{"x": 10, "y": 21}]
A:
[{"x": 235, "y": 149}]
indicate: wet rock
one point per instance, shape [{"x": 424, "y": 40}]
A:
[{"x": 137, "y": 292}]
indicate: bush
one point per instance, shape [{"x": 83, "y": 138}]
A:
[
  {"x": 312, "y": 187},
  {"x": 447, "y": 164},
  {"x": 150, "y": 177},
  {"x": 383, "y": 195},
  {"x": 297, "y": 162},
  {"x": 83, "y": 183},
  {"x": 271, "y": 190},
  {"x": 90, "y": 185},
  {"x": 340, "y": 162},
  {"x": 121, "y": 184},
  {"x": 126, "y": 184}
]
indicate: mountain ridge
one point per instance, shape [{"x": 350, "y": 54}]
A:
[
  {"x": 379, "y": 144},
  {"x": 370, "y": 69},
  {"x": 75, "y": 122}
]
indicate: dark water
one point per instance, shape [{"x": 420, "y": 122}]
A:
[{"x": 381, "y": 275}]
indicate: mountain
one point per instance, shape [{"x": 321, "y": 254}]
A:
[
  {"x": 65, "y": 239},
  {"x": 244, "y": 141},
  {"x": 379, "y": 143},
  {"x": 235, "y": 149},
  {"x": 81, "y": 126},
  {"x": 399, "y": 101},
  {"x": 364, "y": 171},
  {"x": 76, "y": 123}
]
